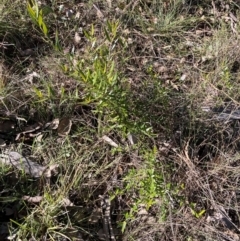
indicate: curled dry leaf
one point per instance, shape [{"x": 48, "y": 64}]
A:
[
  {"x": 64, "y": 126},
  {"x": 32, "y": 128},
  {"x": 67, "y": 203},
  {"x": 53, "y": 125},
  {"x": 143, "y": 211},
  {"x": 174, "y": 86},
  {"x": 31, "y": 77},
  {"x": 36, "y": 199},
  {"x": 162, "y": 69},
  {"x": 77, "y": 16},
  {"x": 109, "y": 141},
  {"x": 29, "y": 130},
  {"x": 39, "y": 138},
  {"x": 132, "y": 139},
  {"x": 183, "y": 77},
  {"x": 52, "y": 170},
  {"x": 77, "y": 38}
]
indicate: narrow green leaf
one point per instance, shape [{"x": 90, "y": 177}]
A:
[
  {"x": 58, "y": 47},
  {"x": 124, "y": 224},
  {"x": 82, "y": 75},
  {"x": 41, "y": 23},
  {"x": 36, "y": 8},
  {"x": 109, "y": 25},
  {"x": 31, "y": 13},
  {"x": 92, "y": 30},
  {"x": 107, "y": 35},
  {"x": 40, "y": 20},
  {"x": 193, "y": 212},
  {"x": 44, "y": 29},
  {"x": 38, "y": 92},
  {"x": 201, "y": 213},
  {"x": 86, "y": 34},
  {"x": 34, "y": 5}
]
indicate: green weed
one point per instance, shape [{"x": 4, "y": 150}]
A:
[{"x": 144, "y": 186}]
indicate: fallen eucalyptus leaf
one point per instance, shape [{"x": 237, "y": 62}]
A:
[
  {"x": 22, "y": 163},
  {"x": 36, "y": 199},
  {"x": 32, "y": 76},
  {"x": 32, "y": 128},
  {"x": 132, "y": 139},
  {"x": 39, "y": 137},
  {"x": 29, "y": 129},
  {"x": 52, "y": 170},
  {"x": 77, "y": 38},
  {"x": 67, "y": 203},
  {"x": 64, "y": 126},
  {"x": 143, "y": 211},
  {"x": 53, "y": 125},
  {"x": 26, "y": 165},
  {"x": 109, "y": 141}
]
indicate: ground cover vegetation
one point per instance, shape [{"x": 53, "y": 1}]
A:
[{"x": 119, "y": 120}]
